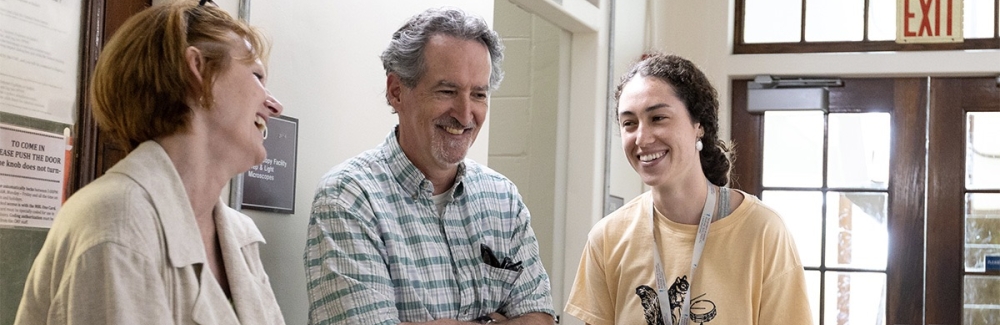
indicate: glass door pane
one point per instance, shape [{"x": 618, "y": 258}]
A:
[
  {"x": 854, "y": 298},
  {"x": 772, "y": 21},
  {"x": 802, "y": 213},
  {"x": 982, "y": 150},
  {"x": 857, "y": 236},
  {"x": 881, "y": 20},
  {"x": 982, "y": 300},
  {"x": 813, "y": 285},
  {"x": 835, "y": 20},
  {"x": 982, "y": 229},
  {"x": 859, "y": 151},
  {"x": 978, "y": 15},
  {"x": 793, "y": 149},
  {"x": 982, "y": 217}
]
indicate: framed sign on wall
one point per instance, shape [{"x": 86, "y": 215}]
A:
[{"x": 270, "y": 186}]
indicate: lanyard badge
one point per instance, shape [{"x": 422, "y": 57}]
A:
[{"x": 699, "y": 246}]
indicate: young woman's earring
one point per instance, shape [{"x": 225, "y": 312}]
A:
[
  {"x": 698, "y": 145},
  {"x": 265, "y": 132}
]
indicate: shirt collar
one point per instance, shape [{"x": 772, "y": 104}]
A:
[
  {"x": 150, "y": 167},
  {"x": 408, "y": 176}
]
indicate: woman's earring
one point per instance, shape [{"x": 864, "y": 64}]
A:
[
  {"x": 265, "y": 132},
  {"x": 698, "y": 145}
]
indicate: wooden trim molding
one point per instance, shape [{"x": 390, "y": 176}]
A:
[
  {"x": 907, "y": 179},
  {"x": 94, "y": 154},
  {"x": 86, "y": 133}
]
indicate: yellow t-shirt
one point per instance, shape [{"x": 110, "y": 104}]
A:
[{"x": 749, "y": 272}]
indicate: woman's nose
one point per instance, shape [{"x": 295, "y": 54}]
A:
[
  {"x": 643, "y": 135},
  {"x": 273, "y": 105}
]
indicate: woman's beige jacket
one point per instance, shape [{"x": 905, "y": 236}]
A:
[{"x": 126, "y": 250}]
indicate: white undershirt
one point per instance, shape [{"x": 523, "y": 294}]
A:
[{"x": 441, "y": 200}]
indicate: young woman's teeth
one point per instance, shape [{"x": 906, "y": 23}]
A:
[
  {"x": 651, "y": 157},
  {"x": 453, "y": 130}
]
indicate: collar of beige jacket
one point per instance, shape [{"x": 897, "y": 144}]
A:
[{"x": 150, "y": 167}]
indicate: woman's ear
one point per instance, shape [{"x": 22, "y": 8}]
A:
[{"x": 194, "y": 60}]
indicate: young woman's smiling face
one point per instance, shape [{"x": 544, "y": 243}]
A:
[{"x": 658, "y": 134}]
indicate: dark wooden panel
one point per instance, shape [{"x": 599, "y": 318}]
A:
[
  {"x": 945, "y": 215},
  {"x": 862, "y": 95},
  {"x": 740, "y": 17},
  {"x": 118, "y": 11},
  {"x": 904, "y": 271},
  {"x": 94, "y": 153},
  {"x": 979, "y": 94},
  {"x": 85, "y": 142},
  {"x": 747, "y": 133},
  {"x": 950, "y": 98}
]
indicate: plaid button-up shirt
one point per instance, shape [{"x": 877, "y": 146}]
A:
[{"x": 378, "y": 251}]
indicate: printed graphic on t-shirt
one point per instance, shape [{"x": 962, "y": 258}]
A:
[{"x": 702, "y": 310}]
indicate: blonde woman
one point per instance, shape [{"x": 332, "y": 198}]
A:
[{"x": 181, "y": 87}]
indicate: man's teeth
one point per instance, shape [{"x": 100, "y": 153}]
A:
[
  {"x": 453, "y": 130},
  {"x": 652, "y": 156},
  {"x": 260, "y": 123}
]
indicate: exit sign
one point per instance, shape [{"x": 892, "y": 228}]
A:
[{"x": 929, "y": 21}]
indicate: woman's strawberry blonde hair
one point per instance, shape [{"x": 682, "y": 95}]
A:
[{"x": 142, "y": 84}]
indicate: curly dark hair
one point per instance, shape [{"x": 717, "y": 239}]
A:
[{"x": 702, "y": 103}]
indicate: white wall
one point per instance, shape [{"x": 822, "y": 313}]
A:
[
  {"x": 525, "y": 112},
  {"x": 325, "y": 69},
  {"x": 629, "y": 42}
]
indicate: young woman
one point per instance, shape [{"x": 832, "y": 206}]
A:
[{"x": 690, "y": 250}]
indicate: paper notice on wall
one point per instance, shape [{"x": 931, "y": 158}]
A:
[
  {"x": 32, "y": 164},
  {"x": 39, "y": 58}
]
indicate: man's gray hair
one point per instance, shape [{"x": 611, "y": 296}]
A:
[{"x": 405, "y": 54}]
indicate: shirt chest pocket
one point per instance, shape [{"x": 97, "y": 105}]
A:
[{"x": 497, "y": 285}]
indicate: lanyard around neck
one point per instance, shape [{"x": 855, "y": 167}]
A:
[{"x": 699, "y": 246}]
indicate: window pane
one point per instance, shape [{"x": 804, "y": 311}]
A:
[
  {"x": 881, "y": 20},
  {"x": 856, "y": 230},
  {"x": 801, "y": 212},
  {"x": 982, "y": 150},
  {"x": 854, "y": 298},
  {"x": 859, "y": 150},
  {"x": 793, "y": 149},
  {"x": 772, "y": 21},
  {"x": 812, "y": 285},
  {"x": 835, "y": 20},
  {"x": 978, "y": 18},
  {"x": 982, "y": 229},
  {"x": 982, "y": 300}
]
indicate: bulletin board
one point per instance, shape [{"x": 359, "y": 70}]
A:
[{"x": 39, "y": 75}]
